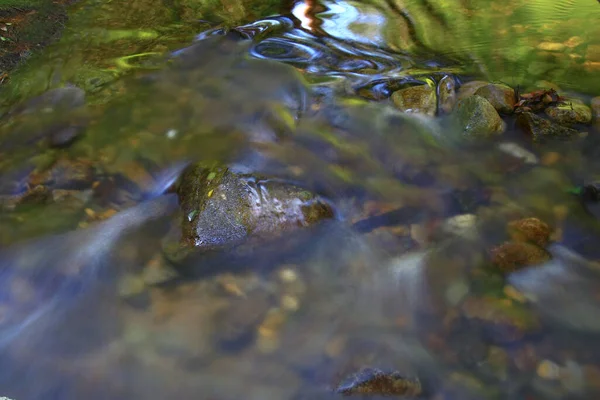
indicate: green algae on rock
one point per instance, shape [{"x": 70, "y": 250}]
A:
[
  {"x": 478, "y": 118},
  {"x": 570, "y": 113},
  {"x": 541, "y": 129},
  {"x": 220, "y": 207},
  {"x": 419, "y": 99}
]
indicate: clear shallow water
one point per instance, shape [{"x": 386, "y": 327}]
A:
[{"x": 306, "y": 100}]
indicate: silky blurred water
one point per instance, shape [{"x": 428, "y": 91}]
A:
[{"x": 298, "y": 92}]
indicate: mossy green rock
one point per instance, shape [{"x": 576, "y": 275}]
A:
[
  {"x": 478, "y": 118},
  {"x": 419, "y": 99},
  {"x": 541, "y": 129},
  {"x": 570, "y": 113},
  {"x": 221, "y": 207}
]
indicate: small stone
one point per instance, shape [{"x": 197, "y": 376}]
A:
[
  {"x": 518, "y": 152},
  {"x": 512, "y": 293},
  {"x": 447, "y": 95},
  {"x": 593, "y": 53},
  {"x": 541, "y": 129},
  {"x": 288, "y": 275},
  {"x": 530, "y": 230},
  {"x": 371, "y": 381},
  {"x": 419, "y": 99},
  {"x": 236, "y": 325},
  {"x": 65, "y": 174},
  {"x": 512, "y": 256},
  {"x": 268, "y": 344},
  {"x": 551, "y": 46},
  {"x": 478, "y": 118},
  {"x": 570, "y": 113},
  {"x": 272, "y": 323},
  {"x": 290, "y": 303},
  {"x": 502, "y": 321},
  {"x": 502, "y": 97},
  {"x": 468, "y": 89},
  {"x": 548, "y": 370},
  {"x": 550, "y": 158},
  {"x": 130, "y": 286},
  {"x": 574, "y": 41},
  {"x": 462, "y": 225}
]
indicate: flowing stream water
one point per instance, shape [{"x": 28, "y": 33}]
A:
[{"x": 399, "y": 276}]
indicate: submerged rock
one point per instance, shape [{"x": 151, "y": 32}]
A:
[
  {"x": 372, "y": 381},
  {"x": 221, "y": 208},
  {"x": 502, "y": 97},
  {"x": 57, "y": 117},
  {"x": 419, "y": 99},
  {"x": 478, "y": 118},
  {"x": 501, "y": 320},
  {"x": 65, "y": 174},
  {"x": 530, "y": 230},
  {"x": 468, "y": 89},
  {"x": 570, "y": 113},
  {"x": 541, "y": 129},
  {"x": 512, "y": 256},
  {"x": 447, "y": 95}
]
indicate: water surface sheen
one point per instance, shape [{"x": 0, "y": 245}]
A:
[{"x": 352, "y": 240}]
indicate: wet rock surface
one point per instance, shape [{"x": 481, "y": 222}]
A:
[
  {"x": 419, "y": 99},
  {"x": 221, "y": 208},
  {"x": 478, "y": 118},
  {"x": 571, "y": 113},
  {"x": 372, "y": 381},
  {"x": 447, "y": 94},
  {"x": 512, "y": 256},
  {"x": 530, "y": 229},
  {"x": 542, "y": 130},
  {"x": 502, "y": 97},
  {"x": 284, "y": 319},
  {"x": 468, "y": 89}
]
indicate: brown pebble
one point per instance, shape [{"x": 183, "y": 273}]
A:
[
  {"x": 512, "y": 256},
  {"x": 548, "y": 370},
  {"x": 371, "y": 381},
  {"x": 550, "y": 158},
  {"x": 531, "y": 230}
]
